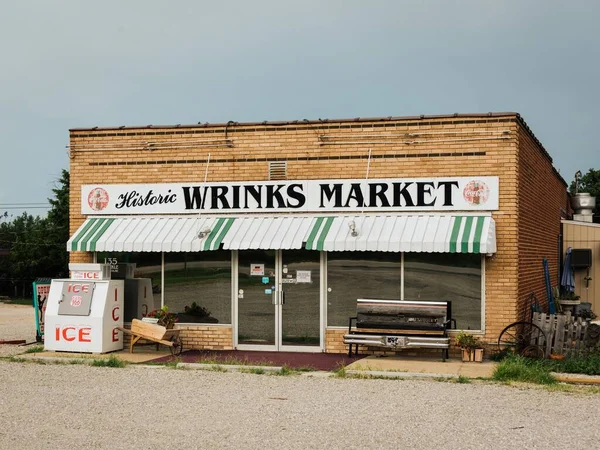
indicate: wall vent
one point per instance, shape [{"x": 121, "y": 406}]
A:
[{"x": 277, "y": 170}]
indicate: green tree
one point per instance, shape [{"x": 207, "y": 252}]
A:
[
  {"x": 590, "y": 182},
  {"x": 37, "y": 245},
  {"x": 58, "y": 227}
]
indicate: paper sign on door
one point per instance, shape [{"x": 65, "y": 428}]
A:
[
  {"x": 303, "y": 276},
  {"x": 257, "y": 270}
]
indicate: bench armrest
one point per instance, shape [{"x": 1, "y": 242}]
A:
[
  {"x": 350, "y": 324},
  {"x": 451, "y": 324}
]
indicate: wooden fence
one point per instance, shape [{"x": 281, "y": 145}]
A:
[{"x": 567, "y": 335}]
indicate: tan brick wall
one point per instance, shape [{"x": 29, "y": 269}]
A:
[
  {"x": 334, "y": 341},
  {"x": 196, "y": 337},
  {"x": 206, "y": 337},
  {"x": 440, "y": 147},
  {"x": 542, "y": 199}
]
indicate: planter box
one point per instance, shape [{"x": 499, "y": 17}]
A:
[{"x": 475, "y": 355}]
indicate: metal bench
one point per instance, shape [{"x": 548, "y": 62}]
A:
[{"x": 399, "y": 324}]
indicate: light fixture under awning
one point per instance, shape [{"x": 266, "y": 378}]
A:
[{"x": 392, "y": 233}]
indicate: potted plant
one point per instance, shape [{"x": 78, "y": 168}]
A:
[
  {"x": 165, "y": 318},
  {"x": 471, "y": 347},
  {"x": 195, "y": 313}
]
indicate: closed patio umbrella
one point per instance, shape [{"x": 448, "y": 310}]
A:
[{"x": 567, "y": 280}]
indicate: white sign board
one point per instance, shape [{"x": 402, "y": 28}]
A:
[
  {"x": 257, "y": 270},
  {"x": 476, "y": 193},
  {"x": 303, "y": 276}
]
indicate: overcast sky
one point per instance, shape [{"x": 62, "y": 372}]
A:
[{"x": 67, "y": 64}]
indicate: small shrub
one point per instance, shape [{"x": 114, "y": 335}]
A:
[
  {"x": 196, "y": 310},
  {"x": 467, "y": 341}
]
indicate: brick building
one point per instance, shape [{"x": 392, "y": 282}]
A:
[{"x": 263, "y": 235}]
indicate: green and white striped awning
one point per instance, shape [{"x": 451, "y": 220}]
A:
[
  {"x": 150, "y": 234},
  {"x": 404, "y": 233},
  {"x": 393, "y": 233}
]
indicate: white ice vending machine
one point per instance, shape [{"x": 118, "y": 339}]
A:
[{"x": 83, "y": 312}]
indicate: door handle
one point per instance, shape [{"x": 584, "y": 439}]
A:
[
  {"x": 274, "y": 295},
  {"x": 282, "y": 297}
]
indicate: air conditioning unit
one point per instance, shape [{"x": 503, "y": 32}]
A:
[{"x": 581, "y": 258}]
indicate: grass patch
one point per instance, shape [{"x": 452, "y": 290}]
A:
[
  {"x": 76, "y": 361},
  {"x": 254, "y": 370},
  {"x": 340, "y": 371},
  {"x": 113, "y": 361},
  {"x": 517, "y": 368},
  {"x": 232, "y": 361},
  {"x": 284, "y": 371},
  {"x": 588, "y": 365},
  {"x": 304, "y": 369},
  {"x": 35, "y": 349},
  {"x": 463, "y": 380},
  {"x": 172, "y": 364},
  {"x": 573, "y": 389}
]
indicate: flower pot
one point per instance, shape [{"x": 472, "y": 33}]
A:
[{"x": 472, "y": 355}]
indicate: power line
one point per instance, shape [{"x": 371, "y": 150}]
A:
[
  {"x": 24, "y": 207},
  {"x": 24, "y": 203},
  {"x": 38, "y": 244}
]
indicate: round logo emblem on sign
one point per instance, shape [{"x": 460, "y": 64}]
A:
[
  {"x": 98, "y": 199},
  {"x": 476, "y": 192}
]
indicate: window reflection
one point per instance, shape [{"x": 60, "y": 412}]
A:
[
  {"x": 353, "y": 275},
  {"x": 198, "y": 286},
  {"x": 450, "y": 277}
]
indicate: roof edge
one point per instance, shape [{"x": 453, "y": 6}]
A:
[
  {"x": 303, "y": 121},
  {"x": 522, "y": 122}
]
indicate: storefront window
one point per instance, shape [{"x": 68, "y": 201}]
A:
[
  {"x": 142, "y": 286},
  {"x": 198, "y": 286},
  {"x": 147, "y": 265},
  {"x": 444, "y": 276},
  {"x": 353, "y": 275}
]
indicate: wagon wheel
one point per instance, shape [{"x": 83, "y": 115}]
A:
[
  {"x": 523, "y": 338},
  {"x": 177, "y": 347},
  {"x": 533, "y": 352}
]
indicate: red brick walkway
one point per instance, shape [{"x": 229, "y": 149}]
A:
[{"x": 316, "y": 361}]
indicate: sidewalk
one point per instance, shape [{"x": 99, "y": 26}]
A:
[
  {"x": 140, "y": 356},
  {"x": 391, "y": 366},
  {"x": 415, "y": 367}
]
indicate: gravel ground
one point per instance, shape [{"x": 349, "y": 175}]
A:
[
  {"x": 82, "y": 407},
  {"x": 74, "y": 406},
  {"x": 16, "y": 322}
]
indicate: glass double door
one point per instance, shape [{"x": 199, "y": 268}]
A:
[{"x": 278, "y": 300}]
